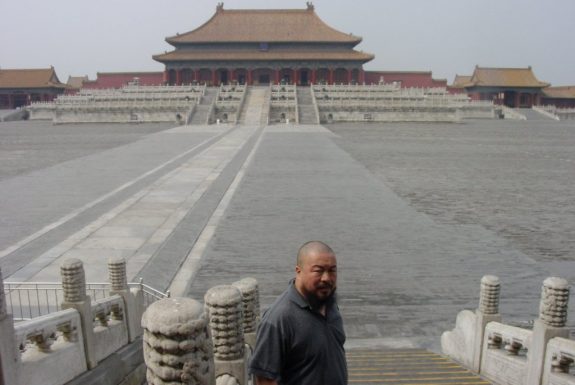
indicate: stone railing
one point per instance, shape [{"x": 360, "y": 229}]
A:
[
  {"x": 128, "y": 104},
  {"x": 62, "y": 346},
  {"x": 390, "y": 102},
  {"x": 508, "y": 354},
  {"x": 283, "y": 103},
  {"x": 95, "y": 342},
  {"x": 186, "y": 342},
  {"x": 227, "y": 104},
  {"x": 545, "y": 112}
]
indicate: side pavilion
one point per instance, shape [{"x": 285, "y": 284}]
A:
[
  {"x": 512, "y": 87},
  {"x": 264, "y": 46}
]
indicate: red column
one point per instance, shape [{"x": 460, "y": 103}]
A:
[
  {"x": 295, "y": 79},
  {"x": 517, "y": 98},
  {"x": 277, "y": 76},
  {"x": 348, "y": 76},
  {"x": 214, "y": 79},
  {"x": 249, "y": 80},
  {"x": 165, "y": 76},
  {"x": 361, "y": 76},
  {"x": 313, "y": 75},
  {"x": 178, "y": 77},
  {"x": 330, "y": 81}
]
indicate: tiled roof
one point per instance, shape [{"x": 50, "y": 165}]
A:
[
  {"x": 29, "y": 78},
  {"x": 504, "y": 77},
  {"x": 565, "y": 92},
  {"x": 240, "y": 55},
  {"x": 461, "y": 80},
  {"x": 268, "y": 25},
  {"x": 76, "y": 81}
]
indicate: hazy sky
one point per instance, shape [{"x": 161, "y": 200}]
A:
[{"x": 448, "y": 37}]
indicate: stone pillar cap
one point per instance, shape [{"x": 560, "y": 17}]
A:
[
  {"x": 72, "y": 263},
  {"x": 116, "y": 260},
  {"x": 171, "y": 316},
  {"x": 223, "y": 295},
  {"x": 556, "y": 283},
  {"x": 490, "y": 280},
  {"x": 246, "y": 284}
]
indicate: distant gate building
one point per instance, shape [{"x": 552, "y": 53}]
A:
[
  {"x": 512, "y": 87},
  {"x": 264, "y": 46}
]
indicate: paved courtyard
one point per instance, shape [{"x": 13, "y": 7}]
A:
[{"x": 416, "y": 212}]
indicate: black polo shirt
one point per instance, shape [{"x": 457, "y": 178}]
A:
[{"x": 296, "y": 345}]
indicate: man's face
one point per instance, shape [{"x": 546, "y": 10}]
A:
[{"x": 317, "y": 277}]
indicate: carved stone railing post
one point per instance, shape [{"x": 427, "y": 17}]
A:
[
  {"x": 119, "y": 285},
  {"x": 225, "y": 312},
  {"x": 487, "y": 311},
  {"x": 74, "y": 286},
  {"x": 177, "y": 343},
  {"x": 551, "y": 323},
  {"x": 251, "y": 306},
  {"x": 9, "y": 355}
]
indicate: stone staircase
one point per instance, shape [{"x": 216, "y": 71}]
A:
[
  {"x": 405, "y": 366},
  {"x": 306, "y": 110},
  {"x": 531, "y": 114},
  {"x": 202, "y": 111},
  {"x": 256, "y": 106}
]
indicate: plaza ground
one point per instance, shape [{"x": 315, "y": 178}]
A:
[{"x": 417, "y": 213}]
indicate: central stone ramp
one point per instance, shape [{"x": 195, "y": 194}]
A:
[
  {"x": 406, "y": 366},
  {"x": 253, "y": 111},
  {"x": 306, "y": 110}
]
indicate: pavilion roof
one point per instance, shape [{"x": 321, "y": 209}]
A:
[
  {"x": 461, "y": 80},
  {"x": 504, "y": 77},
  {"x": 77, "y": 81},
  {"x": 563, "y": 92},
  {"x": 247, "y": 55},
  {"x": 29, "y": 78},
  {"x": 264, "y": 26}
]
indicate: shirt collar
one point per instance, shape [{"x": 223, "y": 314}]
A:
[{"x": 296, "y": 297}]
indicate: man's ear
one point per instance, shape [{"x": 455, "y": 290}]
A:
[{"x": 297, "y": 269}]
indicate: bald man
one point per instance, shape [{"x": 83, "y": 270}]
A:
[{"x": 300, "y": 338}]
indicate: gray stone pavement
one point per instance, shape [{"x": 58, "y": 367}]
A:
[
  {"x": 44, "y": 206},
  {"x": 404, "y": 272},
  {"x": 403, "y": 275}
]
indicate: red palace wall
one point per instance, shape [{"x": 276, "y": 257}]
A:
[
  {"x": 120, "y": 79},
  {"x": 407, "y": 79}
]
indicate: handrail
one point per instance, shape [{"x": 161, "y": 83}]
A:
[{"x": 27, "y": 300}]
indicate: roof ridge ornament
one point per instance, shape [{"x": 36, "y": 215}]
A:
[
  {"x": 220, "y": 7},
  {"x": 310, "y": 6}
]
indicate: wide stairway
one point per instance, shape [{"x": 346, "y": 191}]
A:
[
  {"x": 200, "y": 115},
  {"x": 406, "y": 367},
  {"x": 531, "y": 114},
  {"x": 306, "y": 110},
  {"x": 254, "y": 111}
]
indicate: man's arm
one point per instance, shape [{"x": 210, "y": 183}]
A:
[{"x": 265, "y": 381}]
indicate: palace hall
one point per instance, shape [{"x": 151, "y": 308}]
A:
[{"x": 264, "y": 46}]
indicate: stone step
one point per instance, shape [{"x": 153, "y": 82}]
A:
[
  {"x": 306, "y": 109},
  {"x": 200, "y": 116},
  {"x": 253, "y": 108},
  {"x": 406, "y": 366}
]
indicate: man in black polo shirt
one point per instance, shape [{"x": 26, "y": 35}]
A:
[{"x": 300, "y": 338}]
